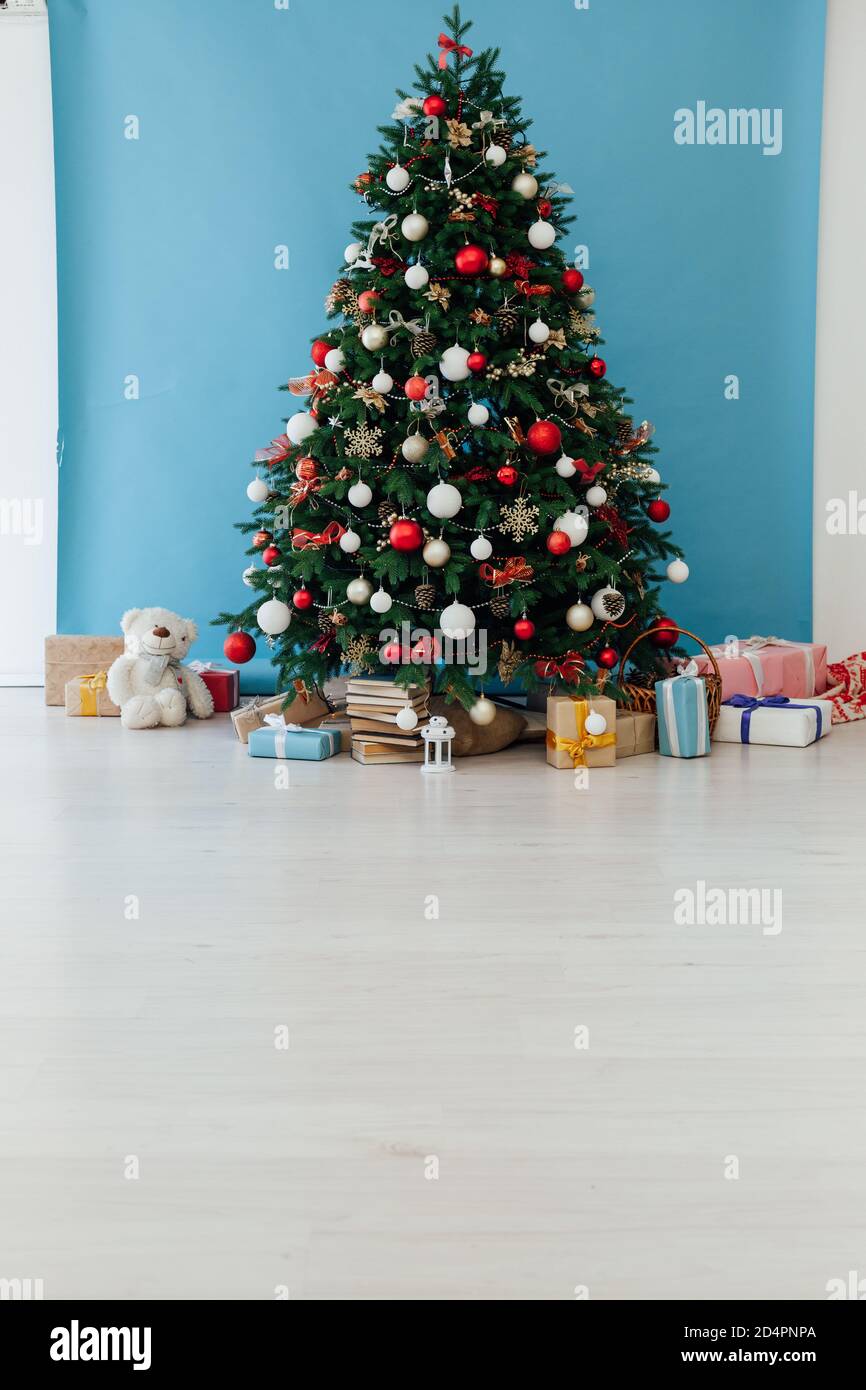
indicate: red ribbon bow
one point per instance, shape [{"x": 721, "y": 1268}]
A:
[
  {"x": 588, "y": 472},
  {"x": 515, "y": 568},
  {"x": 569, "y": 667},
  {"x": 526, "y": 288},
  {"x": 449, "y": 46},
  {"x": 278, "y": 450},
  {"x": 615, "y": 524},
  {"x": 303, "y": 540},
  {"x": 387, "y": 265},
  {"x": 302, "y": 491}
]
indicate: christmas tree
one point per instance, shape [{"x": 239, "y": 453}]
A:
[{"x": 464, "y": 464}]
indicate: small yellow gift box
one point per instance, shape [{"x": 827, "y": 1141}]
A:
[
  {"x": 568, "y": 743},
  {"x": 88, "y": 696}
]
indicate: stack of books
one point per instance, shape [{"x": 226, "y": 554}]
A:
[{"x": 372, "y": 707}]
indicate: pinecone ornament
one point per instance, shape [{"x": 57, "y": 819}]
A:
[
  {"x": 387, "y": 515},
  {"x": 503, "y": 136},
  {"x": 326, "y": 621},
  {"x": 499, "y": 605},
  {"x": 624, "y": 429},
  {"x": 506, "y": 320},
  {"x": 337, "y": 294},
  {"x": 423, "y": 343},
  {"x": 425, "y": 596}
]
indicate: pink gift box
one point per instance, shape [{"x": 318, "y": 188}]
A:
[{"x": 769, "y": 666}]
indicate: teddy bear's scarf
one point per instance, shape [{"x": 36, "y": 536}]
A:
[{"x": 157, "y": 666}]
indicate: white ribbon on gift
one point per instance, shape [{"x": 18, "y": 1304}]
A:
[
  {"x": 670, "y": 712},
  {"x": 277, "y": 722},
  {"x": 200, "y": 666},
  {"x": 753, "y": 645}
]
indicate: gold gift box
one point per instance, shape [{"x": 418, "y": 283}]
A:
[
  {"x": 67, "y": 656},
  {"x": 307, "y": 708},
  {"x": 568, "y": 744},
  {"x": 87, "y": 696},
  {"x": 635, "y": 733}
]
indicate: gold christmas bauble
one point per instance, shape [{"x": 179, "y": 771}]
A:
[
  {"x": 436, "y": 553},
  {"x": 483, "y": 711},
  {"x": 497, "y": 267}
]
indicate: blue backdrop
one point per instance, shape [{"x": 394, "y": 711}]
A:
[{"x": 253, "y": 118}]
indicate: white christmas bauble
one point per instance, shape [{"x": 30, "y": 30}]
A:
[
  {"x": 335, "y": 360},
  {"x": 397, "y": 178},
  {"x": 525, "y": 184},
  {"x": 579, "y": 617},
  {"x": 436, "y": 553},
  {"x": 360, "y": 495},
  {"x": 274, "y": 617},
  {"x": 453, "y": 362},
  {"x": 258, "y": 490},
  {"x": 481, "y": 549},
  {"x": 595, "y": 723},
  {"x": 575, "y": 526},
  {"x": 248, "y": 575},
  {"x": 565, "y": 467},
  {"x": 406, "y": 719},
  {"x": 457, "y": 621},
  {"x": 596, "y": 496},
  {"x": 358, "y": 591},
  {"x": 353, "y": 251},
  {"x": 416, "y": 277},
  {"x": 301, "y": 426},
  {"x": 477, "y": 414},
  {"x": 541, "y": 234},
  {"x": 678, "y": 571},
  {"x": 444, "y": 501},
  {"x": 483, "y": 711},
  {"x": 538, "y": 332},
  {"x": 586, "y": 297},
  {"x": 652, "y": 475},
  {"x": 414, "y": 227},
  {"x": 374, "y": 337},
  {"x": 607, "y": 604},
  {"x": 350, "y": 541},
  {"x": 380, "y": 602},
  {"x": 382, "y": 383},
  {"x": 414, "y": 447},
  {"x": 495, "y": 155}
]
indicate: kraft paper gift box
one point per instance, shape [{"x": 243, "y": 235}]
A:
[
  {"x": 635, "y": 733},
  {"x": 769, "y": 666},
  {"x": 569, "y": 746},
  {"x": 306, "y": 708},
  {"x": 776, "y": 719},
  {"x": 278, "y": 739},
  {"x": 223, "y": 682},
  {"x": 88, "y": 696},
  {"x": 67, "y": 656},
  {"x": 683, "y": 718}
]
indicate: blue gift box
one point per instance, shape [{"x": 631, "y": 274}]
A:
[
  {"x": 683, "y": 720},
  {"x": 276, "y": 739}
]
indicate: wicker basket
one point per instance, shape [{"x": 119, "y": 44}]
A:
[{"x": 641, "y": 699}]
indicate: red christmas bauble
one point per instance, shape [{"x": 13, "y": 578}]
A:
[
  {"x": 607, "y": 657},
  {"x": 558, "y": 543},
  {"x": 367, "y": 300},
  {"x": 425, "y": 651},
  {"x": 392, "y": 654},
  {"x": 658, "y": 510},
  {"x": 545, "y": 207},
  {"x": 507, "y": 475},
  {"x": 319, "y": 351},
  {"x": 597, "y": 367},
  {"x": 272, "y": 555},
  {"x": 302, "y": 598},
  {"x": 262, "y": 538},
  {"x": 239, "y": 647},
  {"x": 406, "y": 535},
  {"x": 669, "y": 636},
  {"x": 416, "y": 388},
  {"x": 572, "y": 280},
  {"x": 544, "y": 437},
  {"x": 471, "y": 259},
  {"x": 476, "y": 361},
  {"x": 306, "y": 469},
  {"x": 524, "y": 628},
  {"x": 434, "y": 105}
]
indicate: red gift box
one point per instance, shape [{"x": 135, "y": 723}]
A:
[{"x": 224, "y": 684}]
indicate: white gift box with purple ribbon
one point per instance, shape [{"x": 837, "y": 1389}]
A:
[{"x": 774, "y": 719}]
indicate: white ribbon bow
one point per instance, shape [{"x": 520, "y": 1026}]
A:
[
  {"x": 485, "y": 118},
  {"x": 381, "y": 232},
  {"x": 564, "y": 393},
  {"x": 687, "y": 668},
  {"x": 278, "y": 721},
  {"x": 408, "y": 109},
  {"x": 396, "y": 320},
  {"x": 199, "y": 666}
]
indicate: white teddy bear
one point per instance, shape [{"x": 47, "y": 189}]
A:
[{"x": 148, "y": 682}]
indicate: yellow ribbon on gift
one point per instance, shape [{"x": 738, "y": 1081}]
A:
[
  {"x": 89, "y": 688},
  {"x": 575, "y": 748}
]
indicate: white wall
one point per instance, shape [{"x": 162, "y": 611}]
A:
[
  {"x": 28, "y": 376},
  {"x": 840, "y": 395}
]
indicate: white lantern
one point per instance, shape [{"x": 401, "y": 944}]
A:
[
  {"x": 525, "y": 184},
  {"x": 301, "y": 426},
  {"x": 495, "y": 155},
  {"x": 414, "y": 447},
  {"x": 436, "y": 553},
  {"x": 374, "y": 337},
  {"x": 381, "y": 601},
  {"x": 382, "y": 383},
  {"x": 274, "y": 617},
  {"x": 397, "y": 178},
  {"x": 678, "y": 571},
  {"x": 444, "y": 501},
  {"x": 335, "y": 360},
  {"x": 453, "y": 363},
  {"x": 596, "y": 496},
  {"x": 565, "y": 467},
  {"x": 416, "y": 277},
  {"x": 538, "y": 331},
  {"x": 414, "y": 227},
  {"x": 579, "y": 617},
  {"x": 350, "y": 541},
  {"x": 438, "y": 736},
  {"x": 575, "y": 526},
  {"x": 541, "y": 234},
  {"x": 607, "y": 604},
  {"x": 360, "y": 495},
  {"x": 477, "y": 414},
  {"x": 457, "y": 621},
  {"x": 481, "y": 549},
  {"x": 258, "y": 490},
  {"x": 358, "y": 590},
  {"x": 353, "y": 251}
]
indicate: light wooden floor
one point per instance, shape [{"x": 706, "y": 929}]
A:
[{"x": 412, "y": 1039}]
